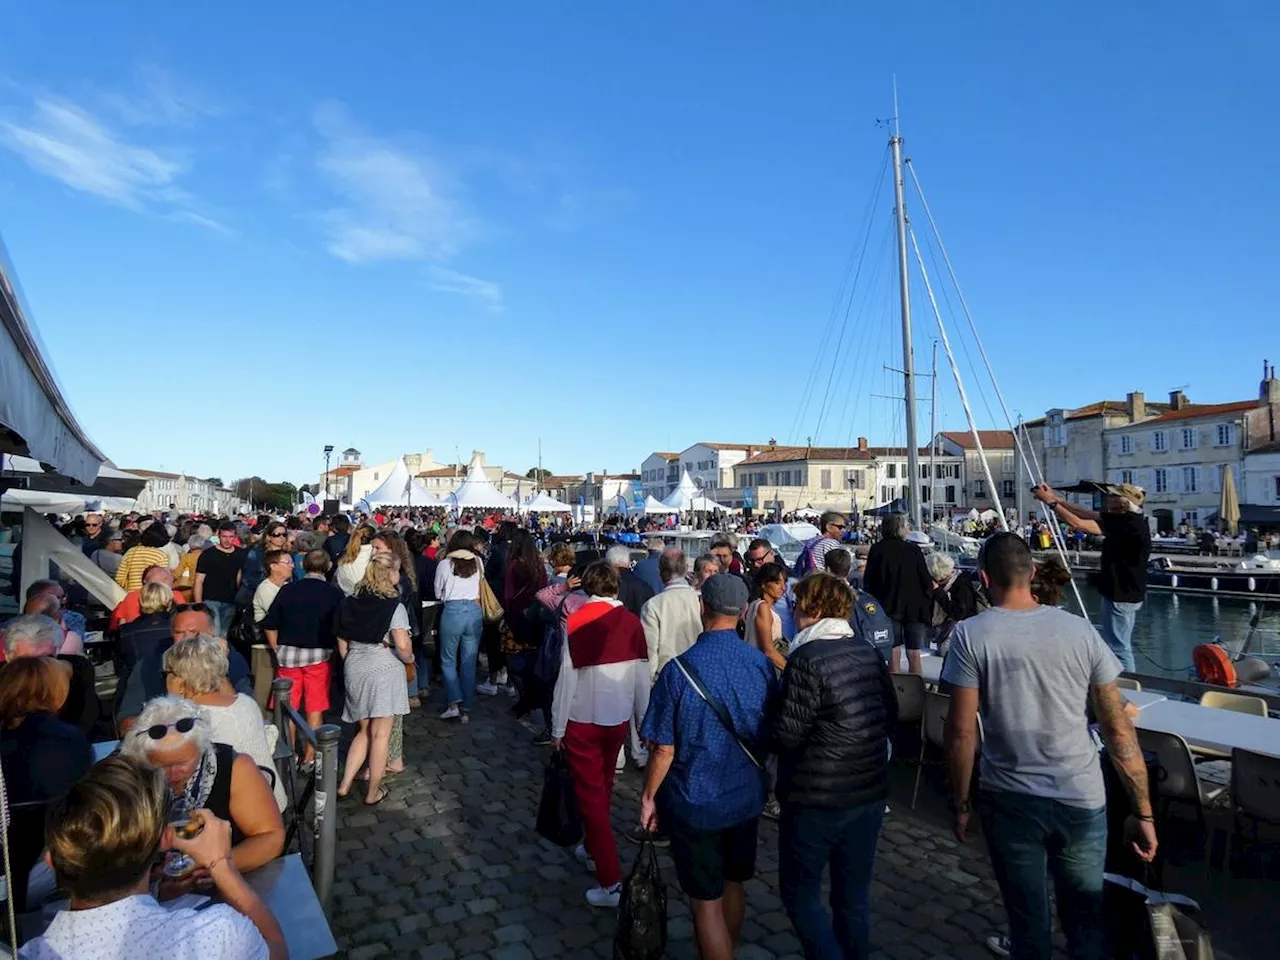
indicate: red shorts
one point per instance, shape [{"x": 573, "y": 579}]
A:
[{"x": 310, "y": 684}]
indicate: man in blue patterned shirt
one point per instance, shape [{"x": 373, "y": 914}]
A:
[{"x": 708, "y": 729}]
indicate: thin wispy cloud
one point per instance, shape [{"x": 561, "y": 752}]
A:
[
  {"x": 488, "y": 293},
  {"x": 396, "y": 203},
  {"x": 159, "y": 99},
  {"x": 65, "y": 141}
]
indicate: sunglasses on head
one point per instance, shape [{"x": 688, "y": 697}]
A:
[
  {"x": 161, "y": 730},
  {"x": 192, "y": 607}
]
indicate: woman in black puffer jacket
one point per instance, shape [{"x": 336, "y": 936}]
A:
[{"x": 832, "y": 738}]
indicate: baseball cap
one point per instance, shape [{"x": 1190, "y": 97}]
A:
[{"x": 725, "y": 594}]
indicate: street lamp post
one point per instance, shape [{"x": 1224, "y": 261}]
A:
[{"x": 328, "y": 452}]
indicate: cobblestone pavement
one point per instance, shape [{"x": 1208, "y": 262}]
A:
[{"x": 449, "y": 866}]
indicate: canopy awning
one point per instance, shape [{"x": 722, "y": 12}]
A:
[
  {"x": 35, "y": 419},
  {"x": 893, "y": 506},
  {"x": 654, "y": 505},
  {"x": 111, "y": 482}
]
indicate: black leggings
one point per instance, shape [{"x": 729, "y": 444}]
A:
[{"x": 491, "y": 640}]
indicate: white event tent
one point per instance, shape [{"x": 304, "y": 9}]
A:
[
  {"x": 654, "y": 505},
  {"x": 400, "y": 489},
  {"x": 686, "y": 497},
  {"x": 477, "y": 490},
  {"x": 543, "y": 503}
]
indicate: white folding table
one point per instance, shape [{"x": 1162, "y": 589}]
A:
[{"x": 1212, "y": 731}]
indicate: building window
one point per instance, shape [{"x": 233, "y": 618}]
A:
[
  {"x": 825, "y": 479},
  {"x": 375, "y": 476},
  {"x": 924, "y": 471},
  {"x": 1276, "y": 492},
  {"x": 1191, "y": 518},
  {"x": 979, "y": 488},
  {"x": 924, "y": 494},
  {"x": 1188, "y": 438},
  {"x": 1006, "y": 488},
  {"x": 853, "y": 479},
  {"x": 1226, "y": 434},
  {"x": 951, "y": 493},
  {"x": 891, "y": 471},
  {"x": 886, "y": 494},
  {"x": 1126, "y": 443},
  {"x": 1159, "y": 441},
  {"x": 1126, "y": 476},
  {"x": 1161, "y": 480},
  {"x": 1191, "y": 479},
  {"x": 1006, "y": 463}
]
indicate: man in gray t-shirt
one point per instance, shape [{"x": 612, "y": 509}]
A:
[
  {"x": 1033, "y": 670},
  {"x": 1029, "y": 672}
]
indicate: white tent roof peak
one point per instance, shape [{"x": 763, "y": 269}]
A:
[
  {"x": 686, "y": 496},
  {"x": 400, "y": 489},
  {"x": 477, "y": 490}
]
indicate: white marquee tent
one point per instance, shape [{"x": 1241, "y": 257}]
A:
[
  {"x": 686, "y": 497},
  {"x": 654, "y": 505},
  {"x": 477, "y": 490},
  {"x": 400, "y": 490},
  {"x": 544, "y": 503}
]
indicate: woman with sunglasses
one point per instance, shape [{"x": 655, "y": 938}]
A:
[{"x": 172, "y": 734}]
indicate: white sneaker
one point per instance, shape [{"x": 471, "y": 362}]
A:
[
  {"x": 605, "y": 896},
  {"x": 500, "y": 679},
  {"x": 465, "y": 718},
  {"x": 580, "y": 853},
  {"x": 1000, "y": 946},
  {"x": 510, "y": 690},
  {"x": 488, "y": 689},
  {"x": 621, "y": 763},
  {"x": 451, "y": 713}
]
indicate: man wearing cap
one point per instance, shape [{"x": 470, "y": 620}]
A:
[
  {"x": 1126, "y": 547},
  {"x": 708, "y": 729}
]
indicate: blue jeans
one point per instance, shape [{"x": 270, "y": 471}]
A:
[
  {"x": 1032, "y": 839},
  {"x": 223, "y": 614},
  {"x": 460, "y": 625},
  {"x": 810, "y": 838},
  {"x": 1117, "y": 629}
]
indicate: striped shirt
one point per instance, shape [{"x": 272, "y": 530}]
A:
[
  {"x": 820, "y": 551},
  {"x": 135, "y": 562}
]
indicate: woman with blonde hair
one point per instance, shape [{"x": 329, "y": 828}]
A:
[
  {"x": 196, "y": 669},
  {"x": 354, "y": 559},
  {"x": 138, "y": 638},
  {"x": 372, "y": 627}
]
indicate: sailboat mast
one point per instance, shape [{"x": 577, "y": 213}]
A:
[
  {"x": 908, "y": 368},
  {"x": 933, "y": 434}
]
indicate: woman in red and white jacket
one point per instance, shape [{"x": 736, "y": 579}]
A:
[{"x": 603, "y": 684}]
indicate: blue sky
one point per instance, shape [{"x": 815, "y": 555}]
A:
[{"x": 245, "y": 231}]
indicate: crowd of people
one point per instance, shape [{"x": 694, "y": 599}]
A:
[{"x": 742, "y": 685}]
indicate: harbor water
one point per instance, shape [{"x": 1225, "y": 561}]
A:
[{"x": 1170, "y": 625}]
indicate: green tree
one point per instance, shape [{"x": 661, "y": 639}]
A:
[{"x": 537, "y": 473}]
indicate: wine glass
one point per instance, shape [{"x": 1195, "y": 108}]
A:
[{"x": 178, "y": 864}]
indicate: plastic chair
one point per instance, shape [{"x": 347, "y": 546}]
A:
[
  {"x": 1255, "y": 792},
  {"x": 1124, "y": 683},
  {"x": 1179, "y": 783},
  {"x": 910, "y": 691},
  {"x": 1220, "y": 700}
]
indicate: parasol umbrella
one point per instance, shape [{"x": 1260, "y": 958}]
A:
[{"x": 1229, "y": 503}]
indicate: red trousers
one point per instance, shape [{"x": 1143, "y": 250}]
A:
[{"x": 592, "y": 752}]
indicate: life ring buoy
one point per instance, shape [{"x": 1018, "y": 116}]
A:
[{"x": 1213, "y": 665}]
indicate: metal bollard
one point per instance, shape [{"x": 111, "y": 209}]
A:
[
  {"x": 281, "y": 689},
  {"x": 326, "y": 817}
]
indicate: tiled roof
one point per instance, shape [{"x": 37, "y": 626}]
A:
[
  {"x": 728, "y": 446},
  {"x": 786, "y": 454},
  {"x": 1193, "y": 410},
  {"x": 665, "y": 455},
  {"x": 153, "y": 473},
  {"x": 991, "y": 439},
  {"x": 1100, "y": 408}
]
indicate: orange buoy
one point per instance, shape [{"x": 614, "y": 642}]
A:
[{"x": 1213, "y": 665}]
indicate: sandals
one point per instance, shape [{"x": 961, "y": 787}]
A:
[{"x": 383, "y": 792}]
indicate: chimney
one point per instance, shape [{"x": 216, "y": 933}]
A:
[
  {"x": 1177, "y": 400},
  {"x": 862, "y": 444},
  {"x": 1137, "y": 407},
  {"x": 1269, "y": 389}
]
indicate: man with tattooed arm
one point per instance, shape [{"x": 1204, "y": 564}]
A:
[{"x": 1028, "y": 671}]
